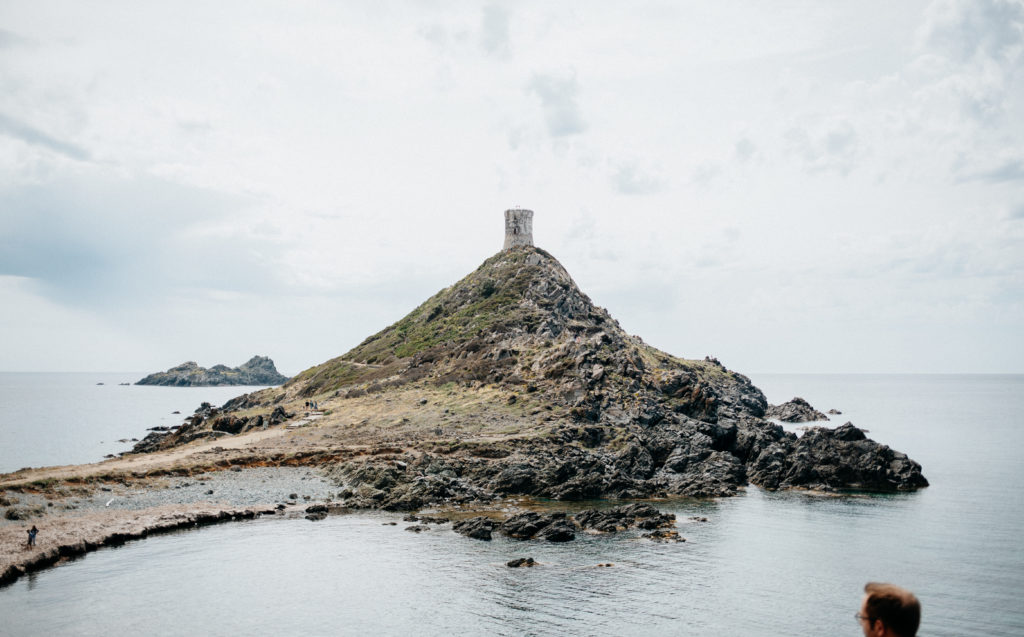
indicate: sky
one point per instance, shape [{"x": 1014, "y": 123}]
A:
[{"x": 797, "y": 187}]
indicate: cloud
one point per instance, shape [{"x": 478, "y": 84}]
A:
[
  {"x": 1008, "y": 170},
  {"x": 98, "y": 240},
  {"x": 558, "y": 96},
  {"x": 834, "y": 148},
  {"x": 30, "y": 135},
  {"x": 10, "y": 40},
  {"x": 1017, "y": 212},
  {"x": 966, "y": 30},
  {"x": 976, "y": 47},
  {"x": 704, "y": 174},
  {"x": 630, "y": 179},
  {"x": 494, "y": 31},
  {"x": 745, "y": 149}
]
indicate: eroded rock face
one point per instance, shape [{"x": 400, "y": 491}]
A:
[
  {"x": 258, "y": 370},
  {"x": 796, "y": 410}
]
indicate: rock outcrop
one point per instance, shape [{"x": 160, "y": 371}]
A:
[
  {"x": 796, "y": 410},
  {"x": 258, "y": 370},
  {"x": 512, "y": 382},
  {"x": 559, "y": 526}
]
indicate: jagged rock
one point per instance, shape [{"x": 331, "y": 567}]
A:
[
  {"x": 554, "y": 527},
  {"x": 430, "y": 519},
  {"x": 664, "y": 535},
  {"x": 478, "y": 528},
  {"x": 558, "y": 531},
  {"x": 258, "y": 370},
  {"x": 796, "y": 410},
  {"x": 521, "y": 562},
  {"x": 620, "y": 518},
  {"x": 840, "y": 458}
]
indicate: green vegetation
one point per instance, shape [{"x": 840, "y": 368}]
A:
[{"x": 487, "y": 300}]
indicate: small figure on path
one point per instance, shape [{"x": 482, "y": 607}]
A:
[
  {"x": 888, "y": 611},
  {"x": 32, "y": 535}
]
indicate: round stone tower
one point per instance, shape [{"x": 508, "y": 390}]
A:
[{"x": 518, "y": 228}]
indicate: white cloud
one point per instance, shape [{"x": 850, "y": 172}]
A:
[
  {"x": 834, "y": 146},
  {"x": 816, "y": 185},
  {"x": 558, "y": 95},
  {"x": 494, "y": 31},
  {"x": 31, "y": 135},
  {"x": 631, "y": 179}
]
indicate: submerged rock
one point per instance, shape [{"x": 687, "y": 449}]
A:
[{"x": 521, "y": 562}]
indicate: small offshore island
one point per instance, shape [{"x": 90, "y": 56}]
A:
[
  {"x": 258, "y": 370},
  {"x": 509, "y": 384}
]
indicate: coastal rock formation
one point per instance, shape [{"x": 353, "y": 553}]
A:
[
  {"x": 796, "y": 410},
  {"x": 828, "y": 459},
  {"x": 559, "y": 526},
  {"x": 512, "y": 382},
  {"x": 258, "y": 370}
]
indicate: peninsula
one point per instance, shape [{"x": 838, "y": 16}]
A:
[{"x": 509, "y": 384}]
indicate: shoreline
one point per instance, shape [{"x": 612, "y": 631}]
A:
[
  {"x": 82, "y": 508},
  {"x": 17, "y": 559}
]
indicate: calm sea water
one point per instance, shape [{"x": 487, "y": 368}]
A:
[
  {"x": 67, "y": 418},
  {"x": 765, "y": 563}
]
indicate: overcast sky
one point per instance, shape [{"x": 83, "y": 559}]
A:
[{"x": 788, "y": 186}]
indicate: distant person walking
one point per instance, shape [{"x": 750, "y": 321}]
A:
[
  {"x": 888, "y": 611},
  {"x": 32, "y": 535}
]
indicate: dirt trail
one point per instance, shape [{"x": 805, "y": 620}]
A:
[{"x": 140, "y": 463}]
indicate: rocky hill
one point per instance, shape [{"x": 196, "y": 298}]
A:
[
  {"x": 513, "y": 382},
  {"x": 258, "y": 370}
]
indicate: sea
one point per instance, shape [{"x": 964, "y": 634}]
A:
[{"x": 764, "y": 563}]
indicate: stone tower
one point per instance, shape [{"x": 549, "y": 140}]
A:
[{"x": 518, "y": 228}]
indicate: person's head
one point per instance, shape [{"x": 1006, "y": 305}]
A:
[{"x": 889, "y": 611}]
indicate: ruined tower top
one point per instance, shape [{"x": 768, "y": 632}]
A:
[{"x": 518, "y": 228}]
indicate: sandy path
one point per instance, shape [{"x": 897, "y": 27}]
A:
[{"x": 142, "y": 463}]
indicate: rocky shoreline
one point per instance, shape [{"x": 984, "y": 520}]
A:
[{"x": 508, "y": 384}]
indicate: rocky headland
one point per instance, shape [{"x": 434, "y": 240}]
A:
[
  {"x": 512, "y": 382},
  {"x": 258, "y": 370},
  {"x": 509, "y": 384}
]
